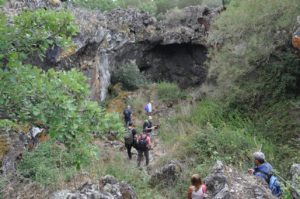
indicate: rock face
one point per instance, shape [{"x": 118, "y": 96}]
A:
[
  {"x": 109, "y": 188},
  {"x": 172, "y": 49},
  {"x": 167, "y": 175},
  {"x": 295, "y": 173},
  {"x": 227, "y": 183}
]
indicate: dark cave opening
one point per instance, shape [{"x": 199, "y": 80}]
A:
[{"x": 179, "y": 63}]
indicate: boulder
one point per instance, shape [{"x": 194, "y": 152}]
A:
[
  {"x": 108, "y": 188},
  {"x": 167, "y": 175},
  {"x": 227, "y": 183}
]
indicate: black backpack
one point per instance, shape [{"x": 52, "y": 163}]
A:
[
  {"x": 142, "y": 144},
  {"x": 128, "y": 138}
]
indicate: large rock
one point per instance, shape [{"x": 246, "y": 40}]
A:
[
  {"x": 172, "y": 49},
  {"x": 227, "y": 183},
  {"x": 167, "y": 175},
  {"x": 295, "y": 173},
  {"x": 108, "y": 188}
]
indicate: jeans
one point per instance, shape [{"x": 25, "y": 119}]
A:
[{"x": 140, "y": 156}]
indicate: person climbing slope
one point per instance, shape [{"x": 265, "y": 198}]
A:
[
  {"x": 127, "y": 115},
  {"x": 263, "y": 170},
  {"x": 143, "y": 147},
  {"x": 148, "y": 108},
  {"x": 130, "y": 139},
  {"x": 148, "y": 126},
  {"x": 197, "y": 190}
]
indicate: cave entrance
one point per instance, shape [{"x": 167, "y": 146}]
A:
[{"x": 179, "y": 63}]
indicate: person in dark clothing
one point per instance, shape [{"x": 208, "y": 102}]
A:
[
  {"x": 127, "y": 115},
  {"x": 147, "y": 126},
  {"x": 143, "y": 147},
  {"x": 130, "y": 139}
]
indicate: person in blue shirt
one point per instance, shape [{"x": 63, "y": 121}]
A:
[{"x": 262, "y": 169}]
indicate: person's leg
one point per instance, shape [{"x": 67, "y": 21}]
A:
[
  {"x": 140, "y": 155},
  {"x": 128, "y": 147},
  {"x": 147, "y": 157}
]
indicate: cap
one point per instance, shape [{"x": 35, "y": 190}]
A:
[{"x": 259, "y": 155}]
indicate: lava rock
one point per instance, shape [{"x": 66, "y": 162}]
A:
[{"x": 167, "y": 175}]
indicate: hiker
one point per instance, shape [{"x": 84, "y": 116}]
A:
[
  {"x": 127, "y": 115},
  {"x": 148, "y": 108},
  {"x": 130, "y": 139},
  {"x": 197, "y": 190},
  {"x": 147, "y": 126},
  {"x": 143, "y": 147},
  {"x": 263, "y": 170}
]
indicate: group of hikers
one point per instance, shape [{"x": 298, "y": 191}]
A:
[{"x": 142, "y": 143}]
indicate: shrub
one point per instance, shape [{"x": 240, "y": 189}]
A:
[
  {"x": 50, "y": 164},
  {"x": 249, "y": 33},
  {"x": 170, "y": 92},
  {"x": 130, "y": 76}
]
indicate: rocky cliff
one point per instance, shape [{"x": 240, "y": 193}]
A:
[{"x": 172, "y": 49}]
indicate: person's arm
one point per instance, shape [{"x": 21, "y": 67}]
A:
[
  {"x": 203, "y": 188},
  {"x": 190, "y": 191}
]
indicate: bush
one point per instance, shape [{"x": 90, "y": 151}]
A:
[
  {"x": 249, "y": 34},
  {"x": 130, "y": 77},
  {"x": 50, "y": 164},
  {"x": 170, "y": 92}
]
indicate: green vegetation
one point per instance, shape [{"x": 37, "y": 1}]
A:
[
  {"x": 256, "y": 71},
  {"x": 120, "y": 168},
  {"x": 253, "y": 35},
  {"x": 170, "y": 92},
  {"x": 49, "y": 164},
  {"x": 154, "y": 7},
  {"x": 208, "y": 133},
  {"x": 129, "y": 76},
  {"x": 56, "y": 100}
]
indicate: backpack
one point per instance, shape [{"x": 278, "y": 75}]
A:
[
  {"x": 273, "y": 184},
  {"x": 128, "y": 138},
  {"x": 142, "y": 144}
]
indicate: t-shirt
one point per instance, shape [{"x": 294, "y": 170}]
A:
[
  {"x": 149, "y": 107},
  {"x": 199, "y": 194}
]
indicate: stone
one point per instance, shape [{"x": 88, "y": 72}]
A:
[
  {"x": 108, "y": 188},
  {"x": 167, "y": 175},
  {"x": 227, "y": 183}
]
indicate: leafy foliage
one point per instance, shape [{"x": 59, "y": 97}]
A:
[
  {"x": 56, "y": 100},
  {"x": 129, "y": 76},
  {"x": 170, "y": 92},
  {"x": 33, "y": 32},
  {"x": 49, "y": 164}
]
